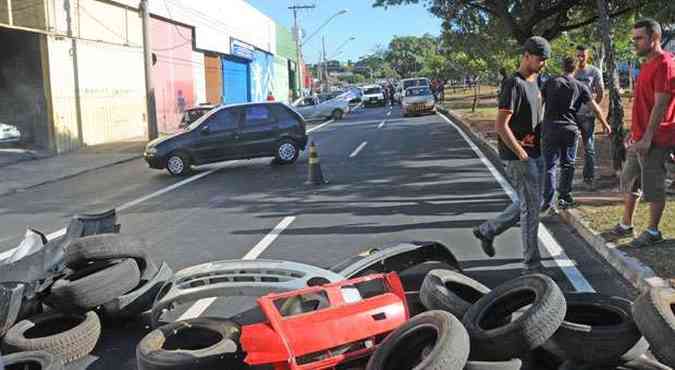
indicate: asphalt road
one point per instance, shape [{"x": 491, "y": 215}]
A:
[{"x": 390, "y": 179}]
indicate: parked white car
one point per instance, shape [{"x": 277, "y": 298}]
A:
[
  {"x": 312, "y": 108},
  {"x": 373, "y": 95},
  {"x": 9, "y": 133},
  {"x": 418, "y": 100}
]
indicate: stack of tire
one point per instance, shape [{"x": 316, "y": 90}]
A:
[
  {"x": 496, "y": 329},
  {"x": 106, "y": 273}
]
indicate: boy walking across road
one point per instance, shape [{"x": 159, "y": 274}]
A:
[
  {"x": 563, "y": 98},
  {"x": 518, "y": 119},
  {"x": 652, "y": 134}
]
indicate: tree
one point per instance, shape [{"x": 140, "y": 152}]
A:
[
  {"x": 615, "y": 106},
  {"x": 521, "y": 19},
  {"x": 407, "y": 55}
]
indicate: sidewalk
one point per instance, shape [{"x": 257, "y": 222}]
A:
[{"x": 22, "y": 171}]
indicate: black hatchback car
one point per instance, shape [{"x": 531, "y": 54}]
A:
[{"x": 228, "y": 132}]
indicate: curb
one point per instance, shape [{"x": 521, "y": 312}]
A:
[
  {"x": 70, "y": 175},
  {"x": 640, "y": 276}
]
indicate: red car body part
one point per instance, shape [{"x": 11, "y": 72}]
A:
[{"x": 346, "y": 328}]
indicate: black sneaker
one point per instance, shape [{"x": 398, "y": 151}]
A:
[
  {"x": 619, "y": 232},
  {"x": 590, "y": 184},
  {"x": 485, "y": 242},
  {"x": 567, "y": 202},
  {"x": 646, "y": 239}
]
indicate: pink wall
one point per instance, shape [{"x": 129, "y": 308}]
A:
[{"x": 172, "y": 73}]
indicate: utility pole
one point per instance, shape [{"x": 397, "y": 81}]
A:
[
  {"x": 67, "y": 6},
  {"x": 149, "y": 87},
  {"x": 298, "y": 46},
  {"x": 325, "y": 62}
]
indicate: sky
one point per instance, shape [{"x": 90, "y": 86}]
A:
[{"x": 370, "y": 26}]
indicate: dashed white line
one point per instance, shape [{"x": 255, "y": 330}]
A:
[
  {"x": 381, "y": 124},
  {"x": 388, "y": 113},
  {"x": 62, "y": 231},
  {"x": 358, "y": 149},
  {"x": 320, "y": 126},
  {"x": 201, "y": 305},
  {"x": 553, "y": 248},
  {"x": 269, "y": 238}
]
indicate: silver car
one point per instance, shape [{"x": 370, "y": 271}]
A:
[
  {"x": 417, "y": 100},
  {"x": 312, "y": 108}
]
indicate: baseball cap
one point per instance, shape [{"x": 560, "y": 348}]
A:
[{"x": 537, "y": 45}]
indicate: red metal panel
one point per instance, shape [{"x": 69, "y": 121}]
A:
[
  {"x": 282, "y": 340},
  {"x": 172, "y": 72}
]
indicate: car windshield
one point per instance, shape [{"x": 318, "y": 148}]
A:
[
  {"x": 167, "y": 164},
  {"x": 418, "y": 91},
  {"x": 411, "y": 83}
]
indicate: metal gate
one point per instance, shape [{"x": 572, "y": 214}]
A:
[{"x": 236, "y": 83}]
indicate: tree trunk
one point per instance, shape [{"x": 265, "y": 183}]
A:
[
  {"x": 475, "y": 98},
  {"x": 615, "y": 117}
]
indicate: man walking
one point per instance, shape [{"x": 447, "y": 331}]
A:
[
  {"x": 563, "y": 98},
  {"x": 520, "y": 112},
  {"x": 652, "y": 134},
  {"x": 591, "y": 76}
]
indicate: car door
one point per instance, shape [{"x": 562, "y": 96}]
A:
[
  {"x": 259, "y": 131},
  {"x": 217, "y": 137},
  {"x": 307, "y": 108}
]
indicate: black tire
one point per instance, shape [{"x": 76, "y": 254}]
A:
[
  {"x": 654, "y": 314},
  {"x": 67, "y": 336},
  {"x": 597, "y": 329},
  {"x": 337, "y": 114},
  {"x": 81, "y": 251},
  {"x": 139, "y": 299},
  {"x": 450, "y": 291},
  {"x": 178, "y": 164},
  {"x": 286, "y": 152},
  {"x": 94, "y": 285},
  {"x": 491, "y": 341},
  {"x": 502, "y": 365},
  {"x": 39, "y": 360},
  {"x": 434, "y": 340},
  {"x": 201, "y": 343}
]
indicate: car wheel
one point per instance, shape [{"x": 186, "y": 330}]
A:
[
  {"x": 337, "y": 114},
  {"x": 178, "y": 164},
  {"x": 287, "y": 151}
]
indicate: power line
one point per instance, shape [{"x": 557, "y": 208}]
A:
[{"x": 84, "y": 10}]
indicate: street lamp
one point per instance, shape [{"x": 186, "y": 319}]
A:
[
  {"x": 341, "y": 12},
  {"x": 339, "y": 48}
]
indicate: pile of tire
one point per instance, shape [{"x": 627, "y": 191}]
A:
[
  {"x": 520, "y": 319},
  {"x": 109, "y": 275}
]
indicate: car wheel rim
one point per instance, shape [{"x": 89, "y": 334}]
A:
[
  {"x": 176, "y": 165},
  {"x": 286, "y": 152}
]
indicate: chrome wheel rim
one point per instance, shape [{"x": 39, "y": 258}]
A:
[
  {"x": 286, "y": 152},
  {"x": 176, "y": 164}
]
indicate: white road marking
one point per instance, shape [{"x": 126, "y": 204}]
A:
[
  {"x": 553, "y": 248},
  {"x": 320, "y": 126},
  {"x": 201, "y": 305},
  {"x": 269, "y": 238},
  {"x": 62, "y": 231},
  {"x": 358, "y": 149},
  {"x": 519, "y": 265},
  {"x": 388, "y": 113},
  {"x": 381, "y": 124}
]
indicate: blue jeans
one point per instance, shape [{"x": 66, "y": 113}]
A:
[
  {"x": 587, "y": 126},
  {"x": 559, "y": 145},
  {"x": 527, "y": 179}
]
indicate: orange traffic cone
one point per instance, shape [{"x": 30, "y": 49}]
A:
[{"x": 315, "y": 176}]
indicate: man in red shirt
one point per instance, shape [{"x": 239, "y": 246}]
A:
[{"x": 652, "y": 134}]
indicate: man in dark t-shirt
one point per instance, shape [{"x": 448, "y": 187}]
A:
[
  {"x": 564, "y": 96},
  {"x": 520, "y": 112}
]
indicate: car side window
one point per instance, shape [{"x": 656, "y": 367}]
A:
[
  {"x": 258, "y": 115},
  {"x": 226, "y": 119}
]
